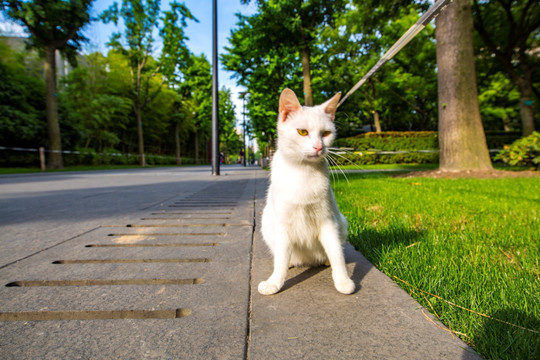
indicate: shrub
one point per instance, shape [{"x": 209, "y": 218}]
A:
[
  {"x": 368, "y": 145},
  {"x": 522, "y": 152}
]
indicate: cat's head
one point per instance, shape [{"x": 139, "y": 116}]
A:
[{"x": 305, "y": 133}]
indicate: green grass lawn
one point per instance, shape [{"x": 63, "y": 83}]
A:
[{"x": 475, "y": 243}]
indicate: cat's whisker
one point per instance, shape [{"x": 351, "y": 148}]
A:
[
  {"x": 328, "y": 162},
  {"x": 331, "y": 162},
  {"x": 334, "y": 152},
  {"x": 339, "y": 167}
]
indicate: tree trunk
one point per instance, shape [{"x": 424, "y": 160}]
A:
[
  {"x": 308, "y": 95},
  {"x": 462, "y": 140},
  {"x": 377, "y": 122},
  {"x": 177, "y": 143},
  {"x": 526, "y": 105},
  {"x": 51, "y": 106},
  {"x": 196, "y": 147},
  {"x": 376, "y": 115},
  {"x": 138, "y": 116}
]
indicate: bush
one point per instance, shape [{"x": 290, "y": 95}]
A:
[
  {"x": 522, "y": 152},
  {"x": 391, "y": 141},
  {"x": 367, "y": 146}
]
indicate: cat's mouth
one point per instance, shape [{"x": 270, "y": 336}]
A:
[{"x": 316, "y": 155}]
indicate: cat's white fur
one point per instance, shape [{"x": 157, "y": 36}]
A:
[{"x": 301, "y": 223}]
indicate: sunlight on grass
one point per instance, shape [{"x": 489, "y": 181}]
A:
[{"x": 475, "y": 243}]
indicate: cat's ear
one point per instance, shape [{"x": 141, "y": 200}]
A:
[
  {"x": 288, "y": 103},
  {"x": 330, "y": 106}
]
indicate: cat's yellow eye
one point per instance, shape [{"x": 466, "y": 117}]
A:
[
  {"x": 326, "y": 133},
  {"x": 303, "y": 132}
]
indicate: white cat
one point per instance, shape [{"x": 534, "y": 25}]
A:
[{"x": 301, "y": 223}]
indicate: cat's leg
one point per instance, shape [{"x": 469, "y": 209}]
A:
[
  {"x": 331, "y": 242},
  {"x": 282, "y": 257}
]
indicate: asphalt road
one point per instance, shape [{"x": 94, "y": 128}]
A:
[{"x": 38, "y": 211}]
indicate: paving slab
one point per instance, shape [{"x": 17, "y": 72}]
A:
[
  {"x": 165, "y": 264},
  {"x": 163, "y": 276},
  {"x": 309, "y": 319}
]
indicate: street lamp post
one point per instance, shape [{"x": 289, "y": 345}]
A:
[
  {"x": 244, "y": 136},
  {"x": 215, "y": 100}
]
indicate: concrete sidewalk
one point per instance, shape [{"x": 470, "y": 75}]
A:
[{"x": 173, "y": 275}]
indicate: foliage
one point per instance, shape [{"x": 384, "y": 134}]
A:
[
  {"x": 406, "y": 85},
  {"x": 523, "y": 152},
  {"x": 471, "y": 242},
  {"x": 410, "y": 144},
  {"x": 366, "y": 147},
  {"x": 22, "y": 113},
  {"x": 346, "y": 45},
  {"x": 53, "y": 23},
  {"x": 498, "y": 99},
  {"x": 140, "y": 19},
  {"x": 510, "y": 32},
  {"x": 92, "y": 101},
  {"x": 391, "y": 140},
  {"x": 230, "y": 140}
]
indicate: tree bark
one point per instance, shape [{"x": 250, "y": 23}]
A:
[
  {"x": 196, "y": 147},
  {"x": 308, "y": 94},
  {"x": 526, "y": 105},
  {"x": 177, "y": 143},
  {"x": 462, "y": 140},
  {"x": 138, "y": 117},
  {"x": 376, "y": 121},
  {"x": 51, "y": 108}
]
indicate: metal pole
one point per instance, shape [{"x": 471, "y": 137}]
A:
[
  {"x": 215, "y": 99},
  {"x": 244, "y": 136}
]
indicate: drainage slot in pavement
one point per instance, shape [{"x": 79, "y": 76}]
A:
[
  {"x": 183, "y": 225},
  {"x": 94, "y": 315},
  {"x": 130, "y": 261},
  {"x": 184, "y": 218},
  {"x": 196, "y": 201},
  {"x": 198, "y": 205},
  {"x": 105, "y": 282},
  {"x": 149, "y": 245},
  {"x": 168, "y": 234},
  {"x": 206, "y": 212}
]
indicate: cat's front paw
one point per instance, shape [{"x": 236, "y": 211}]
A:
[
  {"x": 345, "y": 286},
  {"x": 268, "y": 288}
]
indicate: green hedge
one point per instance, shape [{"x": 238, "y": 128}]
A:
[
  {"x": 84, "y": 156},
  {"x": 362, "y": 149},
  {"x": 391, "y": 141}
]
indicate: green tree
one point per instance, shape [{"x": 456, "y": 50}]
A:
[
  {"x": 53, "y": 25},
  {"x": 140, "y": 18},
  {"x": 196, "y": 92},
  {"x": 294, "y": 26},
  {"x": 510, "y": 30},
  {"x": 462, "y": 141},
  {"x": 92, "y": 103},
  {"x": 499, "y": 99},
  {"x": 402, "y": 94},
  {"x": 264, "y": 72},
  {"x": 22, "y": 112},
  {"x": 230, "y": 140}
]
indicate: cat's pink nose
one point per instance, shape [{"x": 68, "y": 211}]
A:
[{"x": 318, "y": 148}]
